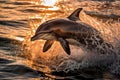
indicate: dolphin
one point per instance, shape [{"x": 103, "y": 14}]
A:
[{"x": 70, "y": 30}]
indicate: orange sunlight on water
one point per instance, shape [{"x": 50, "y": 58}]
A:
[
  {"x": 19, "y": 20},
  {"x": 49, "y": 2}
]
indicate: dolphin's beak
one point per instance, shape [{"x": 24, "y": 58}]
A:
[
  {"x": 33, "y": 38},
  {"x": 38, "y": 36},
  {"x": 43, "y": 35}
]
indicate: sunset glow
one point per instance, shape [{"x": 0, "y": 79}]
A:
[
  {"x": 19, "y": 38},
  {"x": 49, "y": 2}
]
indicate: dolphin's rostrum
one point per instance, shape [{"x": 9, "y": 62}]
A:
[{"x": 70, "y": 30}]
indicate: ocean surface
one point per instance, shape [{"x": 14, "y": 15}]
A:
[{"x": 21, "y": 59}]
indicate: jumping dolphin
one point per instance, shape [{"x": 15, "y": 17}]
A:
[{"x": 68, "y": 29}]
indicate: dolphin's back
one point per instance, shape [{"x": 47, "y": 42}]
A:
[{"x": 65, "y": 25}]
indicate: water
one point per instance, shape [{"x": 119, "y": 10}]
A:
[{"x": 21, "y": 59}]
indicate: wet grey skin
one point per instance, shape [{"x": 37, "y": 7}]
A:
[{"x": 70, "y": 30}]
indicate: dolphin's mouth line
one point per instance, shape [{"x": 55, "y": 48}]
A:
[
  {"x": 42, "y": 32},
  {"x": 43, "y": 35}
]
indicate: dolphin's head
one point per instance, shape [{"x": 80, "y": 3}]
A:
[{"x": 43, "y": 32}]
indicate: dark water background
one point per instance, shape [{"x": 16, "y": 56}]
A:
[{"x": 20, "y": 58}]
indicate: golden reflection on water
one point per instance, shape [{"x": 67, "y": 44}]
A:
[
  {"x": 49, "y": 2},
  {"x": 38, "y": 12}
]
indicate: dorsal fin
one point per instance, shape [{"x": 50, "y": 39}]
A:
[{"x": 75, "y": 15}]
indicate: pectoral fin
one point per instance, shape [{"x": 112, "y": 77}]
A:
[
  {"x": 65, "y": 45},
  {"x": 48, "y": 45}
]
